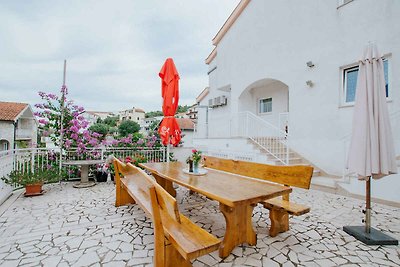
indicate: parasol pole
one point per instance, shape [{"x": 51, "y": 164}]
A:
[
  {"x": 368, "y": 205},
  {"x": 168, "y": 148},
  {"x": 62, "y": 114}
]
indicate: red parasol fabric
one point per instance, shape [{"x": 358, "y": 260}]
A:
[{"x": 169, "y": 128}]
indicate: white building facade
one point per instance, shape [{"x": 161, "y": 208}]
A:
[
  {"x": 18, "y": 126},
  {"x": 293, "y": 64}
]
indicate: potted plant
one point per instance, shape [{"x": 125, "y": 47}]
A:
[
  {"x": 102, "y": 173},
  {"x": 31, "y": 180}
]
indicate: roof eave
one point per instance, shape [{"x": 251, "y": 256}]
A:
[{"x": 229, "y": 22}]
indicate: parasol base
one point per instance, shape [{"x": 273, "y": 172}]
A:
[{"x": 375, "y": 237}]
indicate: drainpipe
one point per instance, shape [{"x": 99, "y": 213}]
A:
[{"x": 15, "y": 123}]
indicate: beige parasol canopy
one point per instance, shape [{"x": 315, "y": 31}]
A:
[{"x": 371, "y": 151}]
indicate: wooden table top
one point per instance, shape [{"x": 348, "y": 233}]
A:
[{"x": 227, "y": 188}]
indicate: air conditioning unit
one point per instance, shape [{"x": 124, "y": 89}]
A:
[
  {"x": 210, "y": 102},
  {"x": 224, "y": 100},
  {"x": 217, "y": 101}
]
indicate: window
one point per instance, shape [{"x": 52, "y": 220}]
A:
[
  {"x": 265, "y": 105},
  {"x": 350, "y": 82}
]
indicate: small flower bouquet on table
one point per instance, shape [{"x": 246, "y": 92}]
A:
[{"x": 194, "y": 160}]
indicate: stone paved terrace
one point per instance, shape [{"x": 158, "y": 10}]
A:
[{"x": 81, "y": 227}]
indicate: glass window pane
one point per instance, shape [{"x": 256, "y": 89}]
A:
[
  {"x": 351, "y": 82},
  {"x": 268, "y": 105},
  {"x": 385, "y": 70},
  {"x": 265, "y": 105}
]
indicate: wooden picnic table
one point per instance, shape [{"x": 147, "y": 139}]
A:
[{"x": 237, "y": 196}]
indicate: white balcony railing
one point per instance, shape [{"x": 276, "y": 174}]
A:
[{"x": 24, "y": 134}]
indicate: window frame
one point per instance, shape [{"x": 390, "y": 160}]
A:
[
  {"x": 345, "y": 69},
  {"x": 259, "y": 106}
]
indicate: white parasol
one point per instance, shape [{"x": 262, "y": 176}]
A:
[{"x": 371, "y": 151}]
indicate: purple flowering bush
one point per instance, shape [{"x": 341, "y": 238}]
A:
[{"x": 75, "y": 126}]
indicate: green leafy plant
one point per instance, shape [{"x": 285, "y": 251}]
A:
[
  {"x": 196, "y": 156},
  {"x": 27, "y": 177}
]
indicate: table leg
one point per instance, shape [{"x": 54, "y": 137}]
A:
[
  {"x": 166, "y": 184},
  {"x": 84, "y": 173},
  {"x": 84, "y": 178},
  {"x": 239, "y": 228}
]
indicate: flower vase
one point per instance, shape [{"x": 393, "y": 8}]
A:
[{"x": 195, "y": 167}]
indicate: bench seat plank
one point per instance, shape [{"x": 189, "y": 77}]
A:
[
  {"x": 137, "y": 192},
  {"x": 291, "y": 207},
  {"x": 189, "y": 239}
]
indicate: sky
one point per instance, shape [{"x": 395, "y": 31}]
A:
[{"x": 114, "y": 49}]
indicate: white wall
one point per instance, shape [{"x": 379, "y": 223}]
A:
[
  {"x": 188, "y": 138},
  {"x": 275, "y": 39},
  {"x": 7, "y": 132}
]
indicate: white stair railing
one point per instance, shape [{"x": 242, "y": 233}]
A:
[
  {"x": 266, "y": 135},
  {"x": 247, "y": 125}
]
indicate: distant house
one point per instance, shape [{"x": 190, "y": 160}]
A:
[
  {"x": 147, "y": 124},
  {"x": 133, "y": 114},
  {"x": 18, "y": 126},
  {"x": 93, "y": 116},
  {"x": 192, "y": 113},
  {"x": 187, "y": 128}
]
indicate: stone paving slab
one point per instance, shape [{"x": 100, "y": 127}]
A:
[{"x": 81, "y": 227}]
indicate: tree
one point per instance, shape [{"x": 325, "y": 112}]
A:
[
  {"x": 152, "y": 114},
  {"x": 111, "y": 121},
  {"x": 182, "y": 108},
  {"x": 100, "y": 128},
  {"x": 128, "y": 127}
]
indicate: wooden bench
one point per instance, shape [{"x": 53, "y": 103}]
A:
[
  {"x": 280, "y": 207},
  {"x": 177, "y": 240}
]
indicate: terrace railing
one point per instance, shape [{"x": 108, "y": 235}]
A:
[{"x": 33, "y": 158}]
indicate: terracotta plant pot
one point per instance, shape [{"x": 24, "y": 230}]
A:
[{"x": 33, "y": 189}]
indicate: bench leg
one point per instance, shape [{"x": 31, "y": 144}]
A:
[
  {"x": 279, "y": 221},
  {"x": 166, "y": 184},
  {"x": 122, "y": 196},
  {"x": 173, "y": 258},
  {"x": 239, "y": 228}
]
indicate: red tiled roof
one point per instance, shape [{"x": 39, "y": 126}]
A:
[
  {"x": 139, "y": 110},
  {"x": 9, "y": 111},
  {"x": 185, "y": 123}
]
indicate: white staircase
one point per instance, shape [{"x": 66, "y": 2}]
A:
[{"x": 272, "y": 147}]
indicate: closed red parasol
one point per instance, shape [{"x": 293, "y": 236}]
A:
[{"x": 169, "y": 129}]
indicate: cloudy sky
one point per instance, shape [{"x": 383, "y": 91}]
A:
[{"x": 114, "y": 49}]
